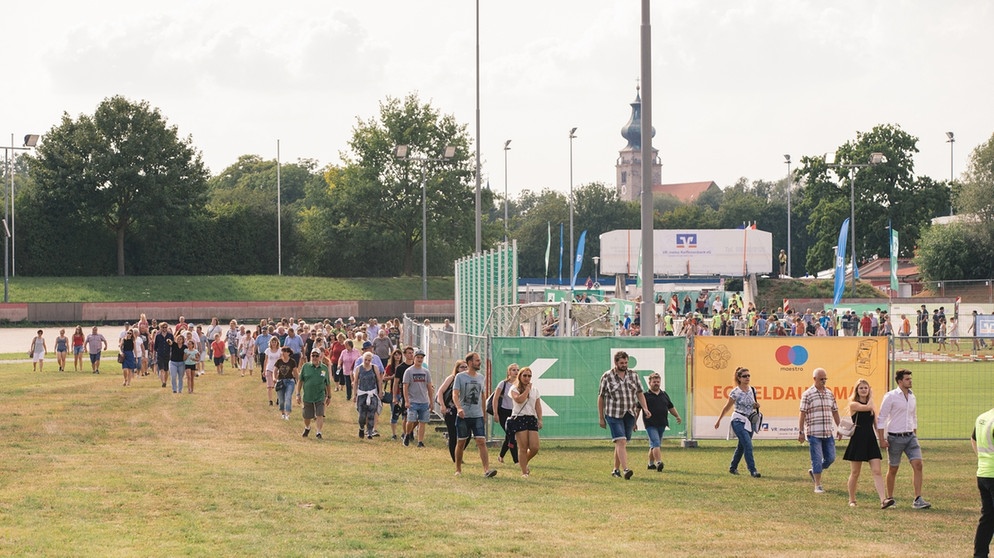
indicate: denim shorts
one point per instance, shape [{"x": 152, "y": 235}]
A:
[
  {"x": 655, "y": 435},
  {"x": 418, "y": 412},
  {"x": 621, "y": 427},
  {"x": 470, "y": 427}
]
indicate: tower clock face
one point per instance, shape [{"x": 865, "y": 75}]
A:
[{"x": 624, "y": 190}]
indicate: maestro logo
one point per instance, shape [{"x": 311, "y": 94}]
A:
[{"x": 792, "y": 356}]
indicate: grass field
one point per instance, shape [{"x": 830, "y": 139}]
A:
[
  {"x": 89, "y": 468},
  {"x": 236, "y": 288}
]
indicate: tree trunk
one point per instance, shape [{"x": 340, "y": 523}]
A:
[
  {"x": 120, "y": 251},
  {"x": 408, "y": 259}
]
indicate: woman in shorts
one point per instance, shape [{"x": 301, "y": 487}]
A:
[
  {"x": 526, "y": 418},
  {"x": 38, "y": 350},
  {"x": 269, "y": 366},
  {"x": 191, "y": 357},
  {"x": 61, "y": 349},
  {"x": 78, "y": 339}
]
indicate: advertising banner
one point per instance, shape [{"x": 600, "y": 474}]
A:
[
  {"x": 567, "y": 372},
  {"x": 781, "y": 370}
]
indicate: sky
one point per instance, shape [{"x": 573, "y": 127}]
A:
[{"x": 736, "y": 84}]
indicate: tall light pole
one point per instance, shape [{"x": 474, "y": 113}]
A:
[
  {"x": 787, "y": 159},
  {"x": 279, "y": 215},
  {"x": 506, "y": 149},
  {"x": 30, "y": 141},
  {"x": 572, "y": 258},
  {"x": 403, "y": 152},
  {"x": 645, "y": 126},
  {"x": 950, "y": 139},
  {"x": 876, "y": 158},
  {"x": 479, "y": 204}
]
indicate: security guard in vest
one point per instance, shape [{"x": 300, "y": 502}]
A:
[{"x": 983, "y": 445}]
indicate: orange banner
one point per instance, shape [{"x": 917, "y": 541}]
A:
[{"x": 781, "y": 370}]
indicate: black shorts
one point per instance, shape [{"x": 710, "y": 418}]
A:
[{"x": 522, "y": 423}]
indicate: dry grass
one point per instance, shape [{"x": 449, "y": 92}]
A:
[{"x": 93, "y": 469}]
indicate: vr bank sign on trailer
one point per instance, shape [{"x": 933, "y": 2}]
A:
[{"x": 690, "y": 252}]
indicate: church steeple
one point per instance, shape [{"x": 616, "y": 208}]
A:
[
  {"x": 633, "y": 129},
  {"x": 629, "y": 164}
]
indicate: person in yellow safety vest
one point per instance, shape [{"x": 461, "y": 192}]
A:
[
  {"x": 668, "y": 321},
  {"x": 983, "y": 445}
]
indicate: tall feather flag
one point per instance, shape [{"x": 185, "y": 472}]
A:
[
  {"x": 548, "y": 249},
  {"x": 840, "y": 263},
  {"x": 893, "y": 260},
  {"x": 638, "y": 269},
  {"x": 579, "y": 259},
  {"x": 560, "y": 253}
]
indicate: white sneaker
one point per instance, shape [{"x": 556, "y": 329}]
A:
[{"x": 819, "y": 489}]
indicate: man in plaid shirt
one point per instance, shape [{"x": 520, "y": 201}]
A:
[
  {"x": 619, "y": 395},
  {"x": 819, "y": 417}
]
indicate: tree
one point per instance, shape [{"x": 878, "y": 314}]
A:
[
  {"x": 964, "y": 249},
  {"x": 120, "y": 168},
  {"x": 885, "y": 195},
  {"x": 378, "y": 196}
]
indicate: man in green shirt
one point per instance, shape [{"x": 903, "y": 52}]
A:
[
  {"x": 983, "y": 445},
  {"x": 314, "y": 390}
]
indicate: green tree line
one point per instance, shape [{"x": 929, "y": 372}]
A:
[{"x": 121, "y": 192}]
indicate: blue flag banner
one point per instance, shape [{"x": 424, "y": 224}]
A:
[
  {"x": 579, "y": 258},
  {"x": 840, "y": 263},
  {"x": 548, "y": 248},
  {"x": 893, "y": 260},
  {"x": 560, "y": 253}
]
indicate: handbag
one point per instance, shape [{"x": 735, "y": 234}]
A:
[
  {"x": 490, "y": 400},
  {"x": 755, "y": 417},
  {"x": 120, "y": 358},
  {"x": 280, "y": 385},
  {"x": 847, "y": 427}
]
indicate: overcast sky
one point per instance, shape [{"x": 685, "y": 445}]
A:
[{"x": 737, "y": 84}]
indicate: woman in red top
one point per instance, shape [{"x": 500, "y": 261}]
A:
[
  {"x": 335, "y": 352},
  {"x": 77, "y": 349}
]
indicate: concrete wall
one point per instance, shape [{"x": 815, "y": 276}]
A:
[{"x": 198, "y": 311}]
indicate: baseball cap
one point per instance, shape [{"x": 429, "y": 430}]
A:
[
  {"x": 316, "y": 352},
  {"x": 419, "y": 352},
  {"x": 366, "y": 345}
]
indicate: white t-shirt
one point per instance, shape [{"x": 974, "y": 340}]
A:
[
  {"x": 272, "y": 355},
  {"x": 528, "y": 407}
]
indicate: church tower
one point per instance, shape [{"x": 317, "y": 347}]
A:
[{"x": 629, "y": 165}]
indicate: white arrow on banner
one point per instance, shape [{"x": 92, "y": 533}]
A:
[{"x": 559, "y": 387}]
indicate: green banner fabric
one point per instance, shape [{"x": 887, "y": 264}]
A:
[{"x": 566, "y": 372}]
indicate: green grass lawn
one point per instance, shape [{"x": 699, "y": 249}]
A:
[
  {"x": 235, "y": 288},
  {"x": 90, "y": 468}
]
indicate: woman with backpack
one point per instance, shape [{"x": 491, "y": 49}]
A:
[
  {"x": 502, "y": 406},
  {"x": 444, "y": 398}
]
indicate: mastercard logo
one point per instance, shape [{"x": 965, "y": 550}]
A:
[{"x": 788, "y": 356}]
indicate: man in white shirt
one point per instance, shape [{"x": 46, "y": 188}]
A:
[{"x": 898, "y": 418}]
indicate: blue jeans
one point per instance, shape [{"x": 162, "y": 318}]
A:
[
  {"x": 176, "y": 371},
  {"x": 284, "y": 397},
  {"x": 822, "y": 453},
  {"x": 744, "y": 447}
]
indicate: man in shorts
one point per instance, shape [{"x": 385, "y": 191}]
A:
[
  {"x": 898, "y": 418},
  {"x": 314, "y": 392},
  {"x": 399, "y": 412},
  {"x": 468, "y": 395},
  {"x": 619, "y": 396},
  {"x": 418, "y": 391},
  {"x": 93, "y": 345}
]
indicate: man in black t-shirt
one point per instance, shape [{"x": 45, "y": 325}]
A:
[
  {"x": 398, "y": 391},
  {"x": 659, "y": 404}
]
